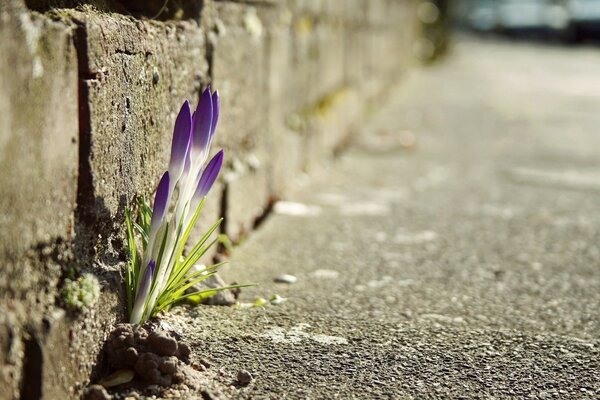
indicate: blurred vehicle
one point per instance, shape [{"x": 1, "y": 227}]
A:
[
  {"x": 533, "y": 14},
  {"x": 585, "y": 18},
  {"x": 566, "y": 19},
  {"x": 481, "y": 15},
  {"x": 520, "y": 15}
]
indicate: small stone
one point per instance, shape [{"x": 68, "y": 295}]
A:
[
  {"x": 204, "y": 362},
  {"x": 198, "y": 366},
  {"x": 244, "y": 377},
  {"x": 96, "y": 392},
  {"x": 222, "y": 298},
  {"x": 285, "y": 278},
  {"x": 277, "y": 299}
]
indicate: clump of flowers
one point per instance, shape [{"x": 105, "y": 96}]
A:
[{"x": 160, "y": 275}]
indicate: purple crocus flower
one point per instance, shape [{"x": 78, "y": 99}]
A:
[{"x": 191, "y": 180}]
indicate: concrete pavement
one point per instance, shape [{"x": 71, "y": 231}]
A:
[{"x": 463, "y": 265}]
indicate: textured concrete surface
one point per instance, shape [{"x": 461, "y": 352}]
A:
[{"x": 462, "y": 265}]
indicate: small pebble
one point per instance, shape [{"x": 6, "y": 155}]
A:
[
  {"x": 205, "y": 362},
  {"x": 244, "y": 377},
  {"x": 198, "y": 367},
  {"x": 285, "y": 278},
  {"x": 277, "y": 299}
]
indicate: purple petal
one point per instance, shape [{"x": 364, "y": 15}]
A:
[
  {"x": 143, "y": 291},
  {"x": 209, "y": 176},
  {"x": 147, "y": 279},
  {"x": 181, "y": 141},
  {"x": 215, "y": 114},
  {"x": 161, "y": 201},
  {"x": 201, "y": 125}
]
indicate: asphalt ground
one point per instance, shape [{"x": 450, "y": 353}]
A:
[{"x": 453, "y": 253}]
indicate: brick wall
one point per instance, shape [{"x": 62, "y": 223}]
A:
[{"x": 88, "y": 98}]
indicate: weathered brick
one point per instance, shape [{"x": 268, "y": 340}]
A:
[
  {"x": 330, "y": 38},
  {"x": 38, "y": 132},
  {"x": 239, "y": 65},
  {"x": 283, "y": 165},
  {"x": 38, "y": 154},
  {"x": 305, "y": 81},
  {"x": 136, "y": 75}
]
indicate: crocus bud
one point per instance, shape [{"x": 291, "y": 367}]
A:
[
  {"x": 143, "y": 292},
  {"x": 161, "y": 203},
  {"x": 209, "y": 175},
  {"x": 215, "y": 113},
  {"x": 207, "y": 179},
  {"x": 201, "y": 128},
  {"x": 181, "y": 142}
]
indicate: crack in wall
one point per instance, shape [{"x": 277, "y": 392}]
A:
[
  {"x": 84, "y": 213},
  {"x": 33, "y": 362}
]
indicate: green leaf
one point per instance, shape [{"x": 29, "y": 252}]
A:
[
  {"x": 142, "y": 232},
  {"x": 132, "y": 265}
]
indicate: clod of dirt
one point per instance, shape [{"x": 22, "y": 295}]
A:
[
  {"x": 96, "y": 392},
  {"x": 156, "y": 357},
  {"x": 244, "y": 377},
  {"x": 162, "y": 344}
]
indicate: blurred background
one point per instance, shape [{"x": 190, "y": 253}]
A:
[{"x": 568, "y": 22}]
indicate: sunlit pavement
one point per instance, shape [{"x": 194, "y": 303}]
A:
[{"x": 455, "y": 253}]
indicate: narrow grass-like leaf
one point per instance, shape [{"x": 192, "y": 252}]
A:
[
  {"x": 176, "y": 284},
  {"x": 189, "y": 228},
  {"x": 204, "y": 294},
  {"x": 142, "y": 232},
  {"x": 190, "y": 261},
  {"x": 130, "y": 273}
]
